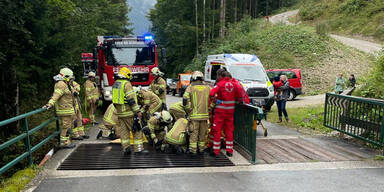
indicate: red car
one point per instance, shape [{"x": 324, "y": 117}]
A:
[{"x": 294, "y": 79}]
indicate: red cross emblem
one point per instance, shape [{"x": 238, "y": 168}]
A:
[{"x": 229, "y": 87}]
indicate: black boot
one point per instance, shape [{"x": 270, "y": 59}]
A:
[
  {"x": 85, "y": 137},
  {"x": 69, "y": 146},
  {"x": 77, "y": 138},
  {"x": 143, "y": 152},
  {"x": 212, "y": 154},
  {"x": 208, "y": 150},
  {"x": 128, "y": 151},
  {"x": 100, "y": 134},
  {"x": 112, "y": 136},
  {"x": 229, "y": 154}
]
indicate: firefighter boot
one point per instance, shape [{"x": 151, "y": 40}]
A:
[
  {"x": 127, "y": 151},
  {"x": 142, "y": 152},
  {"x": 85, "y": 136},
  {"x": 100, "y": 134},
  {"x": 229, "y": 154},
  {"x": 67, "y": 145}
]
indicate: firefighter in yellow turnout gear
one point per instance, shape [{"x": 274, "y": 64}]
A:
[
  {"x": 63, "y": 100},
  {"x": 178, "y": 111},
  {"x": 159, "y": 86},
  {"x": 92, "y": 94},
  {"x": 125, "y": 102},
  {"x": 77, "y": 132},
  {"x": 177, "y": 136},
  {"x": 149, "y": 102},
  {"x": 109, "y": 126},
  {"x": 196, "y": 99},
  {"x": 157, "y": 125}
]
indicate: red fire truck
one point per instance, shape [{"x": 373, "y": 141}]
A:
[{"x": 138, "y": 53}]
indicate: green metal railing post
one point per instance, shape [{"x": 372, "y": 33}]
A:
[
  {"x": 58, "y": 128},
  {"x": 27, "y": 141}
]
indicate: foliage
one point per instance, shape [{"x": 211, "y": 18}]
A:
[
  {"x": 38, "y": 37},
  {"x": 19, "y": 180},
  {"x": 379, "y": 158},
  {"x": 175, "y": 27},
  {"x": 373, "y": 83},
  {"x": 305, "y": 119},
  {"x": 347, "y": 16},
  {"x": 277, "y": 46}
]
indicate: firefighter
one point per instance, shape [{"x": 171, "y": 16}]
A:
[
  {"x": 178, "y": 111},
  {"x": 196, "y": 99},
  {"x": 177, "y": 136},
  {"x": 78, "y": 131},
  {"x": 149, "y": 102},
  {"x": 157, "y": 127},
  {"x": 159, "y": 86},
  {"x": 224, "y": 94},
  {"x": 92, "y": 94},
  {"x": 125, "y": 102},
  {"x": 108, "y": 129},
  {"x": 63, "y": 100}
]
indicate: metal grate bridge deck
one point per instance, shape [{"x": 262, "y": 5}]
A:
[{"x": 109, "y": 156}]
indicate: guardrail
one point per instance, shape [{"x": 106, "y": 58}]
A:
[
  {"x": 26, "y": 137},
  {"x": 245, "y": 132},
  {"x": 358, "y": 117}
]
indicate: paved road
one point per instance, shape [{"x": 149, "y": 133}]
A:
[
  {"x": 348, "y": 180},
  {"x": 365, "y": 46}
]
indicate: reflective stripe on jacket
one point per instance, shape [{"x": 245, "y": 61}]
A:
[
  {"x": 197, "y": 95},
  {"x": 226, "y": 95},
  {"x": 62, "y": 99},
  {"x": 92, "y": 92},
  {"x": 156, "y": 85},
  {"x": 110, "y": 116},
  {"x": 150, "y": 99},
  {"x": 176, "y": 136},
  {"x": 122, "y": 95}
]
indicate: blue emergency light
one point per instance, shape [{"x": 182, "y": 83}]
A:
[{"x": 148, "y": 37}]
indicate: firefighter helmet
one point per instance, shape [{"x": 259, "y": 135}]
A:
[
  {"x": 197, "y": 75},
  {"x": 166, "y": 117},
  {"x": 156, "y": 71},
  {"x": 91, "y": 74},
  {"x": 125, "y": 73},
  {"x": 66, "y": 73}
]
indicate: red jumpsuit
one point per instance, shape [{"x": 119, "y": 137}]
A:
[
  {"x": 242, "y": 95},
  {"x": 226, "y": 92}
]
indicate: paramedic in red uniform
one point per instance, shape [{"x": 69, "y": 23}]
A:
[{"x": 225, "y": 94}]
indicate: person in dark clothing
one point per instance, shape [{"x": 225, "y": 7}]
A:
[
  {"x": 352, "y": 81},
  {"x": 282, "y": 100}
]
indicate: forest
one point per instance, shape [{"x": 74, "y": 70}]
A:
[
  {"x": 184, "y": 27},
  {"x": 38, "y": 37}
]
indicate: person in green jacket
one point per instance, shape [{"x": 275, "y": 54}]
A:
[{"x": 340, "y": 83}]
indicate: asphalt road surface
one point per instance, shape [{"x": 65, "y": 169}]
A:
[{"x": 348, "y": 180}]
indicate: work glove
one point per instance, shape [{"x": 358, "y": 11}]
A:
[{"x": 47, "y": 106}]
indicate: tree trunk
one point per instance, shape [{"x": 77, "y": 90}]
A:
[
  {"x": 255, "y": 9},
  {"x": 266, "y": 7},
  {"x": 203, "y": 21},
  {"x": 197, "y": 29},
  {"x": 213, "y": 19},
  {"x": 222, "y": 19},
  {"x": 250, "y": 7},
  {"x": 235, "y": 12}
]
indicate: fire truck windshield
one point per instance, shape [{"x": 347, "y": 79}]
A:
[{"x": 131, "y": 56}]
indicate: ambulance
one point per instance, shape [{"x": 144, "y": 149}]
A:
[{"x": 248, "y": 70}]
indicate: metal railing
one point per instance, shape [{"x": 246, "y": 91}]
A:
[
  {"x": 358, "y": 117},
  {"x": 26, "y": 137},
  {"x": 245, "y": 132}
]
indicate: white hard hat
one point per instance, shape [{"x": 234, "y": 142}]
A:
[{"x": 91, "y": 74}]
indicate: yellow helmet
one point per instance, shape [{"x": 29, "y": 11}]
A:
[
  {"x": 166, "y": 117},
  {"x": 66, "y": 73},
  {"x": 91, "y": 74},
  {"x": 196, "y": 75},
  {"x": 156, "y": 71},
  {"x": 125, "y": 73}
]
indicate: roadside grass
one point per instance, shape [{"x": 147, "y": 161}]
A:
[
  {"x": 19, "y": 180},
  {"x": 307, "y": 120},
  {"x": 379, "y": 158}
]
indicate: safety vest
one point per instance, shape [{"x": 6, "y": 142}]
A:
[
  {"x": 62, "y": 99},
  {"x": 121, "y": 91},
  {"x": 198, "y": 96},
  {"x": 177, "y": 134},
  {"x": 118, "y": 92}
]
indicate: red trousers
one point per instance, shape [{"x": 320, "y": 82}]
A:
[{"x": 222, "y": 121}]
